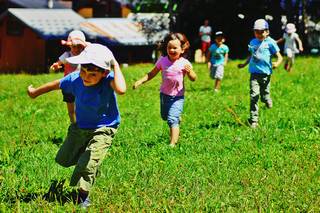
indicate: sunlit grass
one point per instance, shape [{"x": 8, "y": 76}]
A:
[{"x": 219, "y": 164}]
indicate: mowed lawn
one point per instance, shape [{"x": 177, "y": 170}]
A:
[{"x": 220, "y": 164}]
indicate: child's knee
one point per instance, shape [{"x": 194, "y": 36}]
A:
[
  {"x": 173, "y": 121},
  {"x": 63, "y": 161}
]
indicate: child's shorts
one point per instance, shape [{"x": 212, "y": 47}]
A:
[
  {"x": 217, "y": 71},
  {"x": 171, "y": 108},
  {"x": 67, "y": 97},
  {"x": 290, "y": 53}
]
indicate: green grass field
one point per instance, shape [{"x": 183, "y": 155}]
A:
[{"x": 218, "y": 165}]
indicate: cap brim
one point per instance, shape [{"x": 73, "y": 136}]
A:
[
  {"x": 79, "y": 59},
  {"x": 291, "y": 31},
  {"x": 82, "y": 59}
]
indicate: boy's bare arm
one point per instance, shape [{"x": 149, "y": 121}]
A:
[
  {"x": 245, "y": 63},
  {"x": 119, "y": 83},
  {"x": 226, "y": 58},
  {"x": 279, "y": 60},
  {"x": 146, "y": 78},
  {"x": 45, "y": 88}
]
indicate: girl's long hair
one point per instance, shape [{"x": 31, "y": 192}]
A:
[{"x": 185, "y": 45}]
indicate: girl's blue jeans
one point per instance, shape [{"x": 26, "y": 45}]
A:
[{"x": 171, "y": 108}]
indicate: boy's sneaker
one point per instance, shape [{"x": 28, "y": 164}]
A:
[
  {"x": 253, "y": 124},
  {"x": 269, "y": 104},
  {"x": 286, "y": 66},
  {"x": 85, "y": 204}
]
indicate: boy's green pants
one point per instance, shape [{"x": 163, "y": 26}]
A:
[
  {"x": 259, "y": 86},
  {"x": 85, "y": 148}
]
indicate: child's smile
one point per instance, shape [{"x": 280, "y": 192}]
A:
[{"x": 174, "y": 49}]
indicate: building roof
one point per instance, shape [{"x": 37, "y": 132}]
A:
[
  {"x": 114, "y": 31},
  {"x": 49, "y": 23},
  {"x": 128, "y": 31},
  {"x": 38, "y": 3}
]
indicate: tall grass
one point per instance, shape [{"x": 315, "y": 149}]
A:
[{"x": 219, "y": 164}]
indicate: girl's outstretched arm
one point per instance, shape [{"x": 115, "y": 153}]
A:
[
  {"x": 146, "y": 78},
  {"x": 45, "y": 88},
  {"x": 119, "y": 83},
  {"x": 191, "y": 74}
]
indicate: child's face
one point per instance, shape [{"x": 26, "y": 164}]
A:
[
  {"x": 76, "y": 49},
  {"x": 91, "y": 75},
  {"x": 261, "y": 34},
  {"x": 174, "y": 49},
  {"x": 219, "y": 40}
]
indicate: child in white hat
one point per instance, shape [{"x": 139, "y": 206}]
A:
[
  {"x": 261, "y": 49},
  {"x": 290, "y": 38},
  {"x": 76, "y": 42},
  {"x": 97, "y": 114},
  {"x": 217, "y": 59}
]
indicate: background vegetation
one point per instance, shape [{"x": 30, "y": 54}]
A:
[{"x": 219, "y": 164}]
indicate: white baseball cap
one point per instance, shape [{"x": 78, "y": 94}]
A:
[
  {"x": 261, "y": 24},
  {"x": 96, "y": 54},
  {"x": 75, "y": 37},
  {"x": 290, "y": 28}
]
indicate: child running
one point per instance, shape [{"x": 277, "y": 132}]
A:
[
  {"x": 174, "y": 67},
  {"x": 76, "y": 42},
  {"x": 290, "y": 37},
  {"x": 261, "y": 48},
  {"x": 97, "y": 114},
  {"x": 217, "y": 59}
]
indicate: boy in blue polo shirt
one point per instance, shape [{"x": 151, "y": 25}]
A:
[
  {"x": 217, "y": 59},
  {"x": 261, "y": 48},
  {"x": 97, "y": 114}
]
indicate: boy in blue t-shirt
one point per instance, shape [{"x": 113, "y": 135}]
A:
[
  {"x": 217, "y": 59},
  {"x": 261, "y": 48},
  {"x": 97, "y": 114}
]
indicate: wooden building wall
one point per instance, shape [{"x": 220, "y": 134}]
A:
[{"x": 23, "y": 52}]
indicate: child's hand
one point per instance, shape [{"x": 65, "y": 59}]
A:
[
  {"x": 301, "y": 49},
  {"x": 31, "y": 91},
  {"x": 187, "y": 68},
  {"x": 136, "y": 85},
  {"x": 55, "y": 66},
  {"x": 275, "y": 64}
]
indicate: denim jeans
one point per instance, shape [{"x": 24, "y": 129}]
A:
[{"x": 171, "y": 108}]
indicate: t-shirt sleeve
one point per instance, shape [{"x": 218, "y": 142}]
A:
[
  {"x": 274, "y": 48},
  {"x": 63, "y": 57},
  {"x": 226, "y": 49},
  {"x": 65, "y": 84},
  {"x": 159, "y": 63}
]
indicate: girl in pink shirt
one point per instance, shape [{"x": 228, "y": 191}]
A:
[{"x": 173, "y": 67}]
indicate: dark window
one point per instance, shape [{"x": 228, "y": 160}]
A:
[{"x": 14, "y": 27}]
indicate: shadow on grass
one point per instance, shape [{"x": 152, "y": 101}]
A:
[
  {"x": 218, "y": 124},
  {"x": 54, "y": 194}
]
